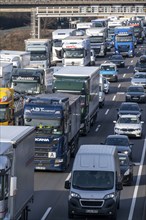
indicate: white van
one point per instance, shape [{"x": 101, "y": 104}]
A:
[{"x": 95, "y": 182}]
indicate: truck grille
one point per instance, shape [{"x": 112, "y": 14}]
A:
[{"x": 91, "y": 203}]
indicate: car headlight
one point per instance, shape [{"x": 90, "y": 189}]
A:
[
  {"x": 127, "y": 172},
  {"x": 74, "y": 195},
  {"x": 128, "y": 95},
  {"x": 142, "y": 95},
  {"x": 126, "y": 152},
  {"x": 110, "y": 196}
]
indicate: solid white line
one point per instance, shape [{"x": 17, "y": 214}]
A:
[
  {"x": 97, "y": 127},
  {"x": 114, "y": 98},
  {"x": 46, "y": 213},
  {"x": 119, "y": 85},
  {"x": 106, "y": 111},
  {"x": 124, "y": 75},
  {"x": 68, "y": 177},
  {"x": 137, "y": 183}
]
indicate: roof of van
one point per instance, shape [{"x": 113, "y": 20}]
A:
[{"x": 95, "y": 157}]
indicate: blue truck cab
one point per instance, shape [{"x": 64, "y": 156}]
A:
[
  {"x": 57, "y": 122},
  {"x": 124, "y": 41},
  {"x": 109, "y": 71}
]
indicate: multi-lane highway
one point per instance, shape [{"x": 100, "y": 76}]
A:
[{"x": 50, "y": 197}]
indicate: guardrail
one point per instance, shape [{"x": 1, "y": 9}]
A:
[{"x": 69, "y": 2}]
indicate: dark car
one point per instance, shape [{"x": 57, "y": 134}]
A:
[
  {"x": 135, "y": 94},
  {"x": 121, "y": 142},
  {"x": 126, "y": 168},
  {"x": 131, "y": 108},
  {"x": 118, "y": 60},
  {"x": 141, "y": 64}
]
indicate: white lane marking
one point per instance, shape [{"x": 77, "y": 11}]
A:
[
  {"x": 97, "y": 128},
  {"x": 46, "y": 213},
  {"x": 114, "y": 98},
  {"x": 130, "y": 217},
  {"x": 106, "y": 111},
  {"x": 69, "y": 176},
  {"x": 131, "y": 61},
  {"x": 119, "y": 85},
  {"x": 120, "y": 93},
  {"x": 128, "y": 67},
  {"x": 124, "y": 75}
]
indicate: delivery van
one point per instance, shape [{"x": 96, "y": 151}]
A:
[{"x": 95, "y": 182}]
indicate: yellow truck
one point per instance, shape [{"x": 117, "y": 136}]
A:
[{"x": 7, "y": 108}]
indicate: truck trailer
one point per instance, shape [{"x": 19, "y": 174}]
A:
[
  {"x": 20, "y": 59},
  {"x": 16, "y": 171},
  {"x": 6, "y": 69},
  {"x": 83, "y": 81},
  {"x": 57, "y": 120}
]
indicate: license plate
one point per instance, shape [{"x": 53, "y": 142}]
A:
[
  {"x": 51, "y": 154},
  {"x": 40, "y": 168},
  {"x": 92, "y": 211}
]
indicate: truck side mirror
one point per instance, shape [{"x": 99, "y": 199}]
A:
[
  {"x": 67, "y": 184},
  {"x": 119, "y": 186}
]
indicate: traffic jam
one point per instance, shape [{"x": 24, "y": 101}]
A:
[{"x": 73, "y": 123}]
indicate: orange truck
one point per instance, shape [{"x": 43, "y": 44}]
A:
[{"x": 7, "y": 108}]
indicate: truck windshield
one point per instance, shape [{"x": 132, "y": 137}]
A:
[
  {"x": 57, "y": 43},
  {"x": 26, "y": 87},
  {"x": 38, "y": 55},
  {"x": 124, "y": 38},
  {"x": 74, "y": 53},
  {"x": 48, "y": 126},
  {"x": 137, "y": 29},
  {"x": 4, "y": 111},
  {"x": 93, "y": 180},
  {"x": 97, "y": 39}
]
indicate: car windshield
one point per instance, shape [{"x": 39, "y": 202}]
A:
[
  {"x": 118, "y": 141},
  {"x": 135, "y": 89},
  {"x": 130, "y": 107},
  {"x": 93, "y": 180},
  {"x": 108, "y": 68},
  {"x": 128, "y": 120},
  {"x": 115, "y": 57},
  {"x": 140, "y": 76}
]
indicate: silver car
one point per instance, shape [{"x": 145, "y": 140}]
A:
[
  {"x": 139, "y": 78},
  {"x": 129, "y": 125}
]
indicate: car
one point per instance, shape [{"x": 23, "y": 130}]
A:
[
  {"x": 129, "y": 125},
  {"x": 135, "y": 94},
  {"x": 121, "y": 142},
  {"x": 106, "y": 85},
  {"x": 110, "y": 71},
  {"x": 129, "y": 108},
  {"x": 139, "y": 78},
  {"x": 140, "y": 64},
  {"x": 126, "y": 168},
  {"x": 118, "y": 60}
]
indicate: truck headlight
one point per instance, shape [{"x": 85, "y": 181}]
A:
[
  {"x": 74, "y": 195},
  {"x": 126, "y": 152},
  {"x": 59, "y": 160},
  {"x": 109, "y": 196},
  {"x": 127, "y": 172}
]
